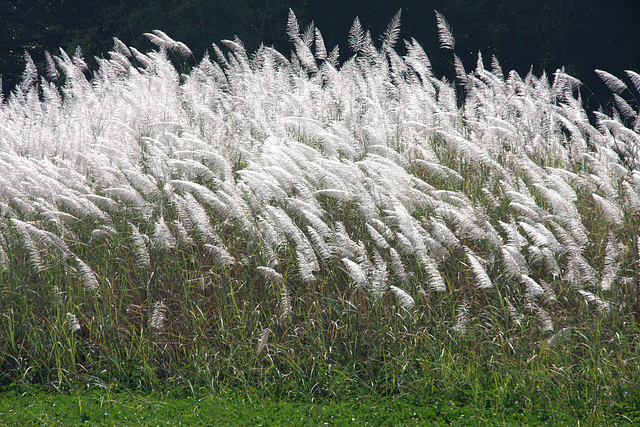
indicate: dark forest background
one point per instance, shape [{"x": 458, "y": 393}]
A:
[{"x": 580, "y": 35}]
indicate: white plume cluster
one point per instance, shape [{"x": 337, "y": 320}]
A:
[{"x": 364, "y": 165}]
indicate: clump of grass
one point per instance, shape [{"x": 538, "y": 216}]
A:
[{"x": 308, "y": 229}]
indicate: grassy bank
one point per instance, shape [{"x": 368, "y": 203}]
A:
[{"x": 305, "y": 229}]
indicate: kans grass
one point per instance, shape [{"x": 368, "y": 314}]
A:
[{"x": 308, "y": 228}]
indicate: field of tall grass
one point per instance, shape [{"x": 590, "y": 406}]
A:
[{"x": 313, "y": 225}]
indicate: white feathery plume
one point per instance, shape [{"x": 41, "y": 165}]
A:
[
  {"x": 264, "y": 340},
  {"x": 463, "y": 317},
  {"x": 49, "y": 240},
  {"x": 585, "y": 273},
  {"x": 545, "y": 319},
  {"x": 571, "y": 273},
  {"x": 101, "y": 204},
  {"x": 285, "y": 224},
  {"x": 550, "y": 262},
  {"x": 379, "y": 276},
  {"x": 143, "y": 260},
  {"x": 221, "y": 254},
  {"x": 158, "y": 41},
  {"x": 631, "y": 199},
  {"x": 237, "y": 208},
  {"x": 52, "y": 71},
  {"x": 182, "y": 235},
  {"x": 87, "y": 276},
  {"x": 391, "y": 34},
  {"x": 377, "y": 237},
  {"x": 535, "y": 255},
  {"x": 538, "y": 238},
  {"x": 549, "y": 293},
  {"x": 611, "y": 212},
  {"x": 183, "y": 49},
  {"x": 143, "y": 59},
  {"x": 514, "y": 315},
  {"x": 270, "y": 274},
  {"x": 560, "y": 206},
  {"x": 410, "y": 229},
  {"x": 624, "y": 107},
  {"x": 613, "y": 83},
  {"x": 635, "y": 78},
  {"x": 325, "y": 251},
  {"x": 307, "y": 261},
  {"x": 514, "y": 262},
  {"x": 321, "y": 50},
  {"x": 440, "y": 171},
  {"x": 447, "y": 41},
  {"x": 72, "y": 322},
  {"x": 4, "y": 259},
  {"x": 436, "y": 249},
  {"x": 83, "y": 207},
  {"x": 435, "y": 279},
  {"x": 397, "y": 267},
  {"x": 561, "y": 186},
  {"x": 356, "y": 36},
  {"x": 612, "y": 263},
  {"x": 461, "y": 73},
  {"x": 565, "y": 239},
  {"x": 590, "y": 297},
  {"x": 199, "y": 217},
  {"x": 103, "y": 232},
  {"x": 403, "y": 244},
  {"x": 30, "y": 74},
  {"x": 552, "y": 242},
  {"x": 162, "y": 236},
  {"x": 480, "y": 275},
  {"x": 305, "y": 56},
  {"x": 121, "y": 48},
  {"x": 417, "y": 59},
  {"x": 126, "y": 195},
  {"x": 514, "y": 238},
  {"x": 334, "y": 56},
  {"x": 358, "y": 276},
  {"x": 317, "y": 223},
  {"x": 577, "y": 231},
  {"x": 363, "y": 260},
  {"x": 293, "y": 29},
  {"x": 533, "y": 289},
  {"x": 464, "y": 221},
  {"x": 27, "y": 241},
  {"x": 492, "y": 201},
  {"x": 404, "y": 299},
  {"x": 343, "y": 244},
  {"x": 285, "y": 304},
  {"x": 144, "y": 184},
  {"x": 382, "y": 228},
  {"x": 443, "y": 234},
  {"x": 273, "y": 236},
  {"x": 58, "y": 296},
  {"x": 158, "y": 317},
  {"x": 367, "y": 49},
  {"x": 340, "y": 195},
  {"x": 496, "y": 69}
]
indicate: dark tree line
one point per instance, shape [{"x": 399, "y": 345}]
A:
[{"x": 581, "y": 35}]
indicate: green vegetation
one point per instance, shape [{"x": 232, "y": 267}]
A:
[
  {"x": 108, "y": 407},
  {"x": 287, "y": 230}
]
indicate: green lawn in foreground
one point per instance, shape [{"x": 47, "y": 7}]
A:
[{"x": 103, "y": 407}]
